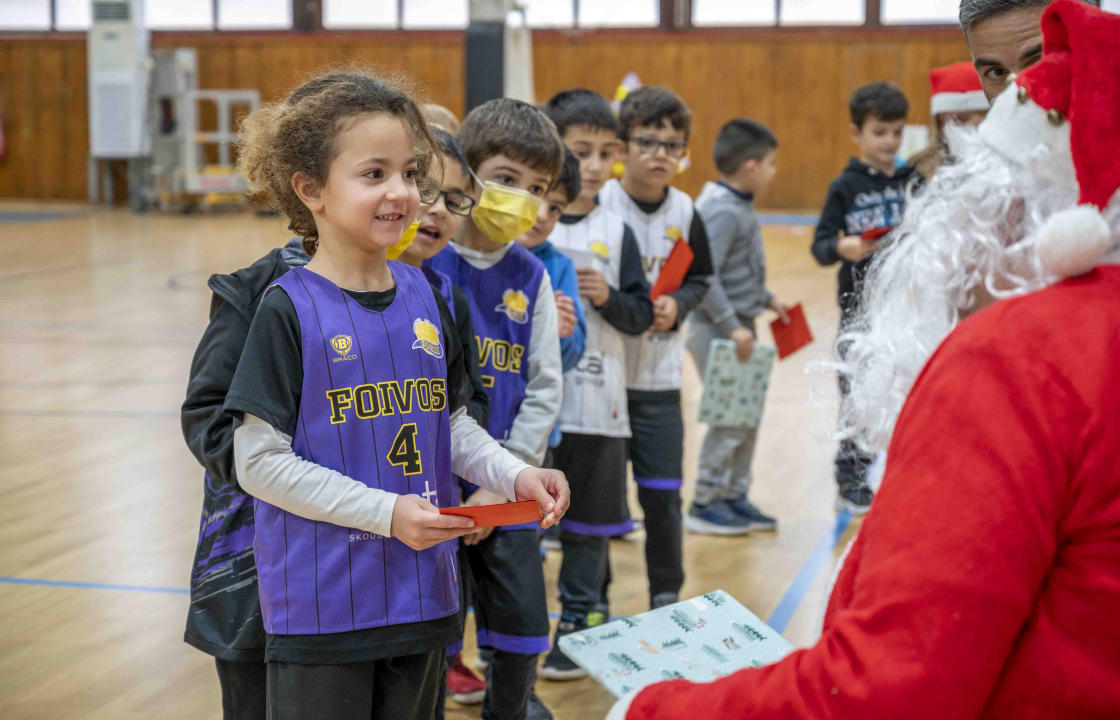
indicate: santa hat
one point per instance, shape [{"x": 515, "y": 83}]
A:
[
  {"x": 1060, "y": 119},
  {"x": 955, "y": 88}
]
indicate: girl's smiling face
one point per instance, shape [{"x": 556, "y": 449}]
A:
[{"x": 371, "y": 195}]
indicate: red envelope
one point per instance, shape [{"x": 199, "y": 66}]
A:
[
  {"x": 875, "y": 233},
  {"x": 791, "y": 338},
  {"x": 673, "y": 271},
  {"x": 511, "y": 513}
]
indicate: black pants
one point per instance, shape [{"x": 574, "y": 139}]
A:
[
  {"x": 243, "y": 689},
  {"x": 656, "y": 453},
  {"x": 403, "y": 688},
  {"x": 851, "y": 463},
  {"x": 583, "y": 572}
]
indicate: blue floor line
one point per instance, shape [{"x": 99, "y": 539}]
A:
[
  {"x": 817, "y": 561},
  {"x": 93, "y": 586}
]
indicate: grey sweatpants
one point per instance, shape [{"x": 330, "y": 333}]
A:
[{"x": 726, "y": 454}]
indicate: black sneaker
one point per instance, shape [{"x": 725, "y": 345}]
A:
[
  {"x": 854, "y": 498},
  {"x": 756, "y": 519},
  {"x": 535, "y": 709},
  {"x": 662, "y": 599},
  {"x": 557, "y": 665}
]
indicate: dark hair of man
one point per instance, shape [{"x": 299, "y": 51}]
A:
[
  {"x": 881, "y": 101},
  {"x": 515, "y": 129},
  {"x": 569, "y": 180},
  {"x": 739, "y": 141},
  {"x": 580, "y": 108},
  {"x": 653, "y": 106}
]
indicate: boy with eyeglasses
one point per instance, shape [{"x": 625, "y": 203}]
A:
[{"x": 654, "y": 125}]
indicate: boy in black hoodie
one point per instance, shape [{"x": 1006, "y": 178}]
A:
[{"x": 869, "y": 195}]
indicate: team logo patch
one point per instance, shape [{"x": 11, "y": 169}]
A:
[
  {"x": 515, "y": 304},
  {"x": 673, "y": 233},
  {"x": 600, "y": 248},
  {"x": 427, "y": 337},
  {"x": 342, "y": 344}
]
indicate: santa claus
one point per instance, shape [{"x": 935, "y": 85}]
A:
[{"x": 985, "y": 583}]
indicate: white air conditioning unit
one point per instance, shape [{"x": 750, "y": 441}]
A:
[{"x": 118, "y": 80}]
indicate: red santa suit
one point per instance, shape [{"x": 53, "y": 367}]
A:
[{"x": 985, "y": 582}]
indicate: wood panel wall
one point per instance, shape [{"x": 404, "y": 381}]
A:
[{"x": 795, "y": 81}]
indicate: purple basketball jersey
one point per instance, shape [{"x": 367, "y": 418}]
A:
[
  {"x": 501, "y": 300},
  {"x": 373, "y": 407},
  {"x": 442, "y": 283}
]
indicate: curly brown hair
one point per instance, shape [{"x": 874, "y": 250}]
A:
[{"x": 299, "y": 134}]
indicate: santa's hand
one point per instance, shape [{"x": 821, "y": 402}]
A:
[
  {"x": 418, "y": 524},
  {"x": 853, "y": 248},
  {"x": 548, "y": 487}
]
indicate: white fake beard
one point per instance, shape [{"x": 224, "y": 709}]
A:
[{"x": 965, "y": 241}]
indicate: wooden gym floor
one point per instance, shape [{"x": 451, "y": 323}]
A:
[{"x": 99, "y": 498}]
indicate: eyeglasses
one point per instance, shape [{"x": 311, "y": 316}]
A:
[
  {"x": 648, "y": 146},
  {"x": 457, "y": 203}
]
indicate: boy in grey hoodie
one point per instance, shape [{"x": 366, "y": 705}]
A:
[{"x": 744, "y": 153}]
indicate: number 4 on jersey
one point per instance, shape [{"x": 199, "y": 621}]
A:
[{"x": 403, "y": 453}]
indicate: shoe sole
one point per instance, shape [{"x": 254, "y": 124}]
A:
[
  {"x": 474, "y": 698},
  {"x": 553, "y": 545},
  {"x": 703, "y": 527},
  {"x": 844, "y": 505},
  {"x": 550, "y": 673},
  {"x": 762, "y": 527}
]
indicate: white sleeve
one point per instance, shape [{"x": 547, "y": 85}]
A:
[
  {"x": 478, "y": 458},
  {"x": 528, "y": 436},
  {"x": 267, "y": 468}
]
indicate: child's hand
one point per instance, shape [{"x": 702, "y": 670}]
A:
[
  {"x": 744, "y": 343},
  {"x": 781, "y": 308},
  {"x": 566, "y": 314},
  {"x": 418, "y": 524},
  {"x": 593, "y": 286},
  {"x": 853, "y": 248},
  {"x": 664, "y": 313},
  {"x": 481, "y": 497},
  {"x": 549, "y": 488}
]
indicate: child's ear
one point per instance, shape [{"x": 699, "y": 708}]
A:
[
  {"x": 308, "y": 191},
  {"x": 854, "y": 130}
]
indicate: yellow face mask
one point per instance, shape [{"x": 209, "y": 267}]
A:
[
  {"x": 504, "y": 213},
  {"x": 407, "y": 237}
]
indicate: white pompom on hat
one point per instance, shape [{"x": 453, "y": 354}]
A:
[{"x": 1061, "y": 120}]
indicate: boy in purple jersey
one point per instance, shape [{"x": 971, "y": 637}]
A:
[
  {"x": 351, "y": 393},
  {"x": 515, "y": 155}
]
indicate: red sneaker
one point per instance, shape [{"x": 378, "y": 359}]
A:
[{"x": 462, "y": 685}]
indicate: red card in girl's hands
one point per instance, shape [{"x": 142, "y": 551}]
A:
[
  {"x": 794, "y": 336},
  {"x": 876, "y": 233},
  {"x": 512, "y": 513},
  {"x": 674, "y": 270}
]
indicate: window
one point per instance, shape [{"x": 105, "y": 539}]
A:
[
  {"x": 179, "y": 14},
  {"x": 435, "y": 14},
  {"x": 25, "y": 15},
  {"x": 733, "y": 12},
  {"x": 550, "y": 13},
  {"x": 919, "y": 11},
  {"x": 343, "y": 14},
  {"x": 618, "y": 13},
  {"x": 72, "y": 14},
  {"x": 254, "y": 14},
  {"x": 822, "y": 12}
]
